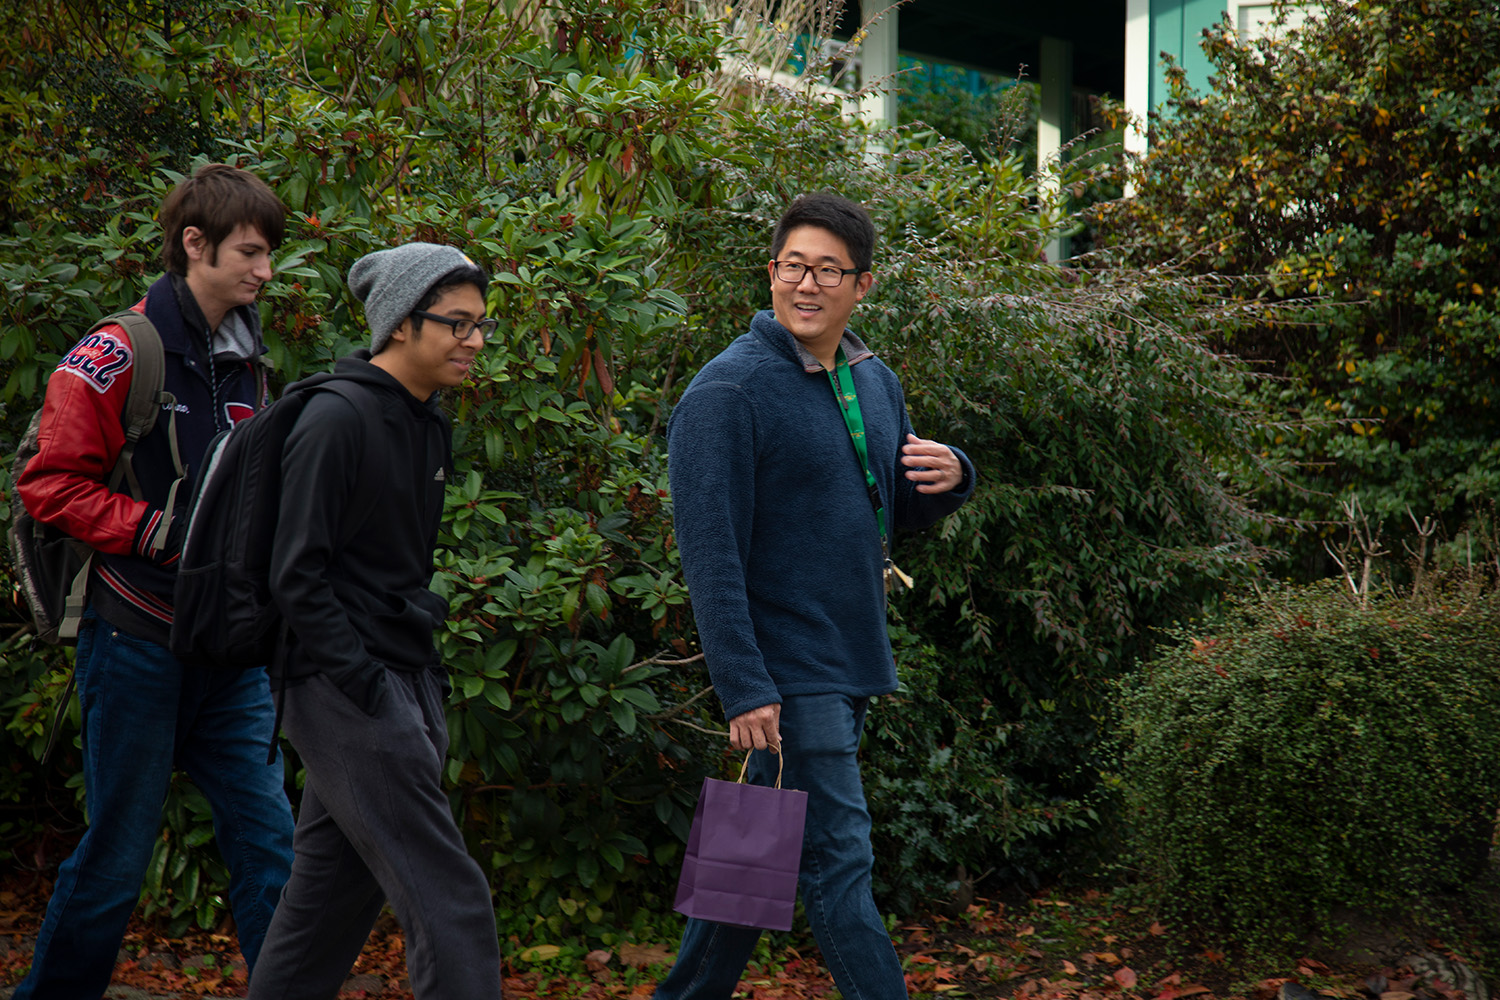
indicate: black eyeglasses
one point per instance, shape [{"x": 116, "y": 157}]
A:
[
  {"x": 791, "y": 272},
  {"x": 461, "y": 327}
]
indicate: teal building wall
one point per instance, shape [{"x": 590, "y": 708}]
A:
[{"x": 1177, "y": 27}]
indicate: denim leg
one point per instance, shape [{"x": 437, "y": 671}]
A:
[
  {"x": 226, "y": 730},
  {"x": 820, "y": 742},
  {"x": 128, "y": 689},
  {"x": 710, "y": 960}
]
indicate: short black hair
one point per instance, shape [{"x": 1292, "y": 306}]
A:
[
  {"x": 843, "y": 218},
  {"x": 464, "y": 274}
]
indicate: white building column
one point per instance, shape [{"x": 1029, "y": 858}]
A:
[
  {"x": 878, "y": 65},
  {"x": 1055, "y": 126},
  {"x": 1138, "y": 63}
]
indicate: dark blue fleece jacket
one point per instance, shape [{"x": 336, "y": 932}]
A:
[{"x": 779, "y": 541}]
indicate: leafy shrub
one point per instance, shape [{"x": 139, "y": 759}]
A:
[
  {"x": 1305, "y": 752},
  {"x": 964, "y": 791},
  {"x": 1351, "y": 159},
  {"x": 580, "y": 151}
]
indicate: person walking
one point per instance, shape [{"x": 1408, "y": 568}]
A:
[
  {"x": 364, "y": 688},
  {"x": 143, "y": 713},
  {"x": 792, "y": 460}
]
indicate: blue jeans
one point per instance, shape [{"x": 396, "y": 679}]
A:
[
  {"x": 819, "y": 740},
  {"x": 142, "y": 713}
]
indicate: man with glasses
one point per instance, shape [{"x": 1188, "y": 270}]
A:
[
  {"x": 791, "y": 461},
  {"x": 363, "y": 685}
]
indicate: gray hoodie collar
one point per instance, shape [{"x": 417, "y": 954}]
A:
[{"x": 238, "y": 335}]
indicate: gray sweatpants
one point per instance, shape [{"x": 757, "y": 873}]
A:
[{"x": 375, "y": 824}]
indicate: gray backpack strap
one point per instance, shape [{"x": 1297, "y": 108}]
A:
[
  {"x": 262, "y": 366},
  {"x": 78, "y": 596},
  {"x": 146, "y": 399}
]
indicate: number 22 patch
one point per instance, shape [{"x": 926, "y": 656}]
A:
[{"x": 97, "y": 359}]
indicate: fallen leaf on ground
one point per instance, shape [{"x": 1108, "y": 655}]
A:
[
  {"x": 638, "y": 956},
  {"x": 1125, "y": 976}
]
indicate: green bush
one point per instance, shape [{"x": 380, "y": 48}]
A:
[
  {"x": 1306, "y": 752},
  {"x": 581, "y": 151},
  {"x": 966, "y": 792},
  {"x": 1352, "y": 160}
]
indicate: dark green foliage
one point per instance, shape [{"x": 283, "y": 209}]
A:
[
  {"x": 988, "y": 122},
  {"x": 1094, "y": 412},
  {"x": 579, "y": 152},
  {"x": 1305, "y": 752},
  {"x": 964, "y": 790},
  {"x": 1353, "y": 159}
]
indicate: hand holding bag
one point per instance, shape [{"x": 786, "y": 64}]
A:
[{"x": 743, "y": 853}]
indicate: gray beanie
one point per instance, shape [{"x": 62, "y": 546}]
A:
[{"x": 391, "y": 282}]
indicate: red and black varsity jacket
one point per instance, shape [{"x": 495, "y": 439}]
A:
[{"x": 81, "y": 435}]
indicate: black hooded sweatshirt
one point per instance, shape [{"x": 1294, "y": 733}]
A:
[{"x": 356, "y": 608}]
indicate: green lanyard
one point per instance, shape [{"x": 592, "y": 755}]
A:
[{"x": 843, "y": 390}]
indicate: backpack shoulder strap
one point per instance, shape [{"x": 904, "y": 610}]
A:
[
  {"x": 362, "y": 398},
  {"x": 146, "y": 398},
  {"x": 261, "y": 368}
]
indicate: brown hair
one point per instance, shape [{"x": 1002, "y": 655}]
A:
[{"x": 216, "y": 199}]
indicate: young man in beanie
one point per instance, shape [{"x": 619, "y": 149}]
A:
[
  {"x": 792, "y": 459},
  {"x": 143, "y": 713},
  {"x": 364, "y": 686}
]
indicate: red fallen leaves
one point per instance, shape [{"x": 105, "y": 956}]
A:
[
  {"x": 1172, "y": 988},
  {"x": 639, "y": 956},
  {"x": 981, "y": 954},
  {"x": 929, "y": 975},
  {"x": 1268, "y": 988},
  {"x": 986, "y": 920}
]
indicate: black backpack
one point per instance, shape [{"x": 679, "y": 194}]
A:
[
  {"x": 223, "y": 611},
  {"x": 52, "y": 568}
]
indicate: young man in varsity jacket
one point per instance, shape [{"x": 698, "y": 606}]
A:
[{"x": 143, "y": 712}]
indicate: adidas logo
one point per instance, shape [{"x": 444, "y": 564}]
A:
[{"x": 439, "y": 477}]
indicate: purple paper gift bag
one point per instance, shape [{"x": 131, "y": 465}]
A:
[{"x": 743, "y": 853}]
